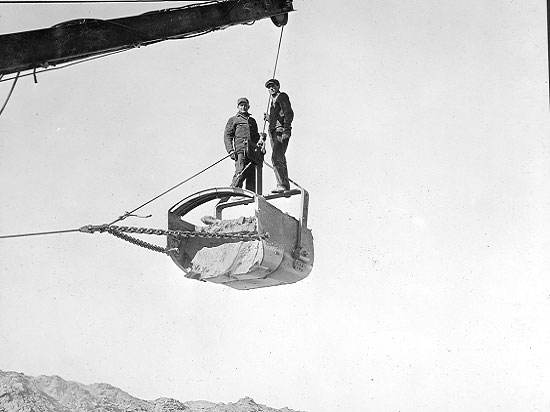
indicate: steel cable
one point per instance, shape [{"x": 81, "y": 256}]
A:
[
  {"x": 166, "y": 191},
  {"x": 127, "y": 214},
  {"x": 274, "y": 71}
]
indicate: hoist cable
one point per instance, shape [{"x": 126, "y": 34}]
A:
[
  {"x": 9, "y": 95},
  {"x": 166, "y": 191},
  {"x": 278, "y": 50},
  {"x": 274, "y": 71}
]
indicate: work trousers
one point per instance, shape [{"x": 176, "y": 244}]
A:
[
  {"x": 249, "y": 174},
  {"x": 278, "y": 150}
]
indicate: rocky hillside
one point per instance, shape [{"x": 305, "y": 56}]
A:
[{"x": 21, "y": 393}]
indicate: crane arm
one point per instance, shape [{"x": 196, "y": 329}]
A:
[{"x": 78, "y": 39}]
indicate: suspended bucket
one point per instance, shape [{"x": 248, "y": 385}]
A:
[{"x": 269, "y": 248}]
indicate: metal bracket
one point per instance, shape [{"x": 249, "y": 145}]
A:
[{"x": 94, "y": 228}]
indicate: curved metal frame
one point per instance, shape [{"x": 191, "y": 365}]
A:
[{"x": 199, "y": 198}]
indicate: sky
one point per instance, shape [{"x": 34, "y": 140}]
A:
[{"x": 422, "y": 134}]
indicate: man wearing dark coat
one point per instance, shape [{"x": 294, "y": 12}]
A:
[
  {"x": 239, "y": 130},
  {"x": 280, "y": 118}
]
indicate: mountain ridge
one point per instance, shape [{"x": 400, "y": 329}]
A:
[{"x": 22, "y": 393}]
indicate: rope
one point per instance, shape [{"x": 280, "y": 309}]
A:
[
  {"x": 11, "y": 91},
  {"x": 274, "y": 71},
  {"x": 289, "y": 179},
  {"x": 166, "y": 191}
]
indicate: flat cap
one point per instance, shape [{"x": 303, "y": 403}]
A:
[
  {"x": 243, "y": 100},
  {"x": 272, "y": 81}
]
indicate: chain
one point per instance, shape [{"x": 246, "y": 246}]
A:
[
  {"x": 180, "y": 234},
  {"x": 139, "y": 242},
  {"x": 118, "y": 231}
]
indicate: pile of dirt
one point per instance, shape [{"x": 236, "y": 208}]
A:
[{"x": 240, "y": 225}]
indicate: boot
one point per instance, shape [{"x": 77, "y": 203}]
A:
[{"x": 279, "y": 189}]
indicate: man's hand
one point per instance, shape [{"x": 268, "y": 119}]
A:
[
  {"x": 261, "y": 145},
  {"x": 261, "y": 142},
  {"x": 233, "y": 155},
  {"x": 285, "y": 136}
]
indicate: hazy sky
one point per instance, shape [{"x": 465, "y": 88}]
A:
[{"x": 422, "y": 134}]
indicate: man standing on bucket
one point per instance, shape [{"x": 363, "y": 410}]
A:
[
  {"x": 280, "y": 118},
  {"x": 239, "y": 129}
]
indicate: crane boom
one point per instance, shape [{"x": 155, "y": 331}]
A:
[{"x": 83, "y": 38}]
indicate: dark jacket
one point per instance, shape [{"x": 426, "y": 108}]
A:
[
  {"x": 239, "y": 129},
  {"x": 281, "y": 114}
]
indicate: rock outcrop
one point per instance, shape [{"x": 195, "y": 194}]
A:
[{"x": 22, "y": 393}]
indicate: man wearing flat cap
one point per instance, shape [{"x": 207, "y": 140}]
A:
[
  {"x": 280, "y": 118},
  {"x": 240, "y": 130}
]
